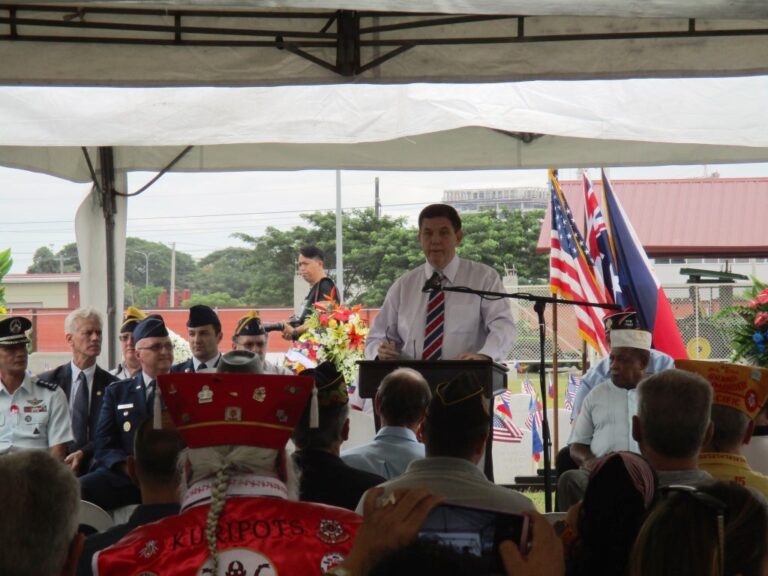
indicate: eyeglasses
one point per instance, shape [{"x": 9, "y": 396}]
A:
[
  {"x": 716, "y": 505},
  {"x": 124, "y": 337},
  {"x": 158, "y": 348}
]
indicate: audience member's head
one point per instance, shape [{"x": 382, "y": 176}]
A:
[
  {"x": 38, "y": 527},
  {"x": 131, "y": 318},
  {"x": 630, "y": 353},
  {"x": 153, "y": 346},
  {"x": 457, "y": 419},
  {"x": 673, "y": 415},
  {"x": 332, "y": 426},
  {"x": 153, "y": 464},
  {"x": 620, "y": 481},
  {"x": 250, "y": 438},
  {"x": 716, "y": 530},
  {"x": 203, "y": 332},
  {"x": 402, "y": 398},
  {"x": 738, "y": 393},
  {"x": 250, "y": 335}
]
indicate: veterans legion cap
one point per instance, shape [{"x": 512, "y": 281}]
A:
[
  {"x": 13, "y": 330},
  {"x": 239, "y": 362},
  {"x": 240, "y": 409},
  {"x": 131, "y": 317},
  {"x": 249, "y": 325},
  {"x": 202, "y": 315},
  {"x": 624, "y": 320},
  {"x": 744, "y": 388},
  {"x": 152, "y": 326}
]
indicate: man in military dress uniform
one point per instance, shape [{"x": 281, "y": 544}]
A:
[
  {"x": 33, "y": 412},
  {"x": 204, "y": 333},
  {"x": 250, "y": 335},
  {"x": 239, "y": 515},
  {"x": 126, "y": 405}
]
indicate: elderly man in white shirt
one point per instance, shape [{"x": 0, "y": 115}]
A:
[
  {"x": 463, "y": 326},
  {"x": 605, "y": 421}
]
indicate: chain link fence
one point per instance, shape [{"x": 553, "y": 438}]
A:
[{"x": 696, "y": 307}]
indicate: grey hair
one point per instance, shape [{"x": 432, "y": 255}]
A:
[
  {"x": 730, "y": 429},
  {"x": 86, "y": 313},
  {"x": 674, "y": 408},
  {"x": 224, "y": 462},
  {"x": 40, "y": 499}
]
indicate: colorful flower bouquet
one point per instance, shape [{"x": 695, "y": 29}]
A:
[
  {"x": 335, "y": 333},
  {"x": 750, "y": 335}
]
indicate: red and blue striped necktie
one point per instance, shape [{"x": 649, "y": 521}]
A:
[{"x": 433, "y": 330}]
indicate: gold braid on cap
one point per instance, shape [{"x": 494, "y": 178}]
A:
[
  {"x": 441, "y": 387},
  {"x": 245, "y": 320}
]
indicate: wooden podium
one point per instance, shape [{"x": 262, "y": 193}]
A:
[{"x": 493, "y": 375}]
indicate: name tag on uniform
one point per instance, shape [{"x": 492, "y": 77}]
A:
[{"x": 124, "y": 406}]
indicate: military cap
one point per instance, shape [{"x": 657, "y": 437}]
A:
[
  {"x": 238, "y": 409},
  {"x": 131, "y": 318},
  {"x": 13, "y": 330},
  {"x": 330, "y": 384},
  {"x": 152, "y": 326},
  {"x": 624, "y": 320},
  {"x": 239, "y": 361},
  {"x": 202, "y": 315},
  {"x": 744, "y": 388},
  {"x": 249, "y": 325}
]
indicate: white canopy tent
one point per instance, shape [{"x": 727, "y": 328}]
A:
[{"x": 254, "y": 85}]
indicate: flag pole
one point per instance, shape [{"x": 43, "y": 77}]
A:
[{"x": 555, "y": 373}]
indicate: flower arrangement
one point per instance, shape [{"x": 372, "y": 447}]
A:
[
  {"x": 335, "y": 333},
  {"x": 750, "y": 335},
  {"x": 181, "y": 349}
]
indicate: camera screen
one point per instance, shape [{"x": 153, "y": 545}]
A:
[{"x": 477, "y": 532}]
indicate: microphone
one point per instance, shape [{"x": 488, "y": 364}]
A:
[{"x": 434, "y": 283}]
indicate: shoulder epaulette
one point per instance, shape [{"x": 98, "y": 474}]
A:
[{"x": 47, "y": 384}]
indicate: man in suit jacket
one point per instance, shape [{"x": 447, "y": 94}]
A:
[
  {"x": 204, "y": 331},
  {"x": 126, "y": 405},
  {"x": 82, "y": 330}
]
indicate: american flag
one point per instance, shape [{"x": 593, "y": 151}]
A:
[
  {"x": 570, "y": 394},
  {"x": 504, "y": 430},
  {"x": 570, "y": 270},
  {"x": 600, "y": 247}
]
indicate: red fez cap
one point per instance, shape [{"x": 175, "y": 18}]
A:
[{"x": 240, "y": 409}]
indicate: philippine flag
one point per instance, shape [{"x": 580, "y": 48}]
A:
[{"x": 639, "y": 285}]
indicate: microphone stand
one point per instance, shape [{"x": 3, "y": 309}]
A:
[{"x": 540, "y": 303}]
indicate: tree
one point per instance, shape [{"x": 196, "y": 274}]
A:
[
  {"x": 214, "y": 300},
  {"x": 230, "y": 271},
  {"x": 159, "y": 258},
  {"x": 45, "y": 261}
]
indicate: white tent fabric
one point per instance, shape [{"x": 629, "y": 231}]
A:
[
  {"x": 724, "y": 111},
  {"x": 528, "y": 39}
]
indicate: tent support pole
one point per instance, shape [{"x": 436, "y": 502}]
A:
[{"x": 106, "y": 162}]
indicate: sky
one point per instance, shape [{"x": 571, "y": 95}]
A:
[{"x": 199, "y": 212}]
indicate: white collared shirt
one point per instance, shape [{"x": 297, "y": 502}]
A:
[
  {"x": 210, "y": 363},
  {"x": 472, "y": 324}
]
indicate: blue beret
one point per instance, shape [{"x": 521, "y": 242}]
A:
[
  {"x": 151, "y": 327},
  {"x": 202, "y": 315}
]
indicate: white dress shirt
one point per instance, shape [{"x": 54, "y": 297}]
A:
[
  {"x": 605, "y": 421},
  {"x": 472, "y": 324}
]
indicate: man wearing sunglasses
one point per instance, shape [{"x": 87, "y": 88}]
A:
[
  {"x": 127, "y": 404},
  {"x": 83, "y": 382}
]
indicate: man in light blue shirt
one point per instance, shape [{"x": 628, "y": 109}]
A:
[
  {"x": 401, "y": 402},
  {"x": 601, "y": 371}
]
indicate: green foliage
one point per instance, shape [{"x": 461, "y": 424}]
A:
[
  {"x": 159, "y": 258},
  {"x": 141, "y": 296},
  {"x": 230, "y": 271},
  {"x": 217, "y": 299},
  {"x": 5, "y": 265},
  {"x": 45, "y": 261},
  {"x": 748, "y": 330}
]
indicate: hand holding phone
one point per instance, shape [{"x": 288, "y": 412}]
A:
[{"x": 545, "y": 556}]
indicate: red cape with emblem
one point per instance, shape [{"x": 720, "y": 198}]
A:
[{"x": 257, "y": 537}]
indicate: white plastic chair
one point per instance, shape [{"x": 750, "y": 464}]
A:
[{"x": 93, "y": 518}]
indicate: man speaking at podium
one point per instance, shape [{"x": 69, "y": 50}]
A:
[{"x": 419, "y": 321}]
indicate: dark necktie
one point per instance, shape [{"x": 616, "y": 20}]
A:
[
  {"x": 202, "y": 366},
  {"x": 80, "y": 412},
  {"x": 150, "y": 394},
  {"x": 433, "y": 331}
]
